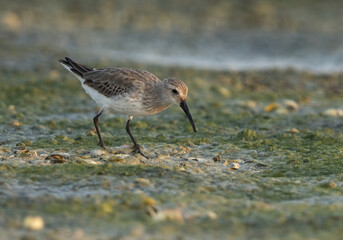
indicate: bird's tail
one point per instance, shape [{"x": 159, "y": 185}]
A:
[{"x": 76, "y": 68}]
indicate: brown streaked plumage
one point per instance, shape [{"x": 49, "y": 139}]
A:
[{"x": 129, "y": 91}]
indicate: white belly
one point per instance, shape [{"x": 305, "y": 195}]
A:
[
  {"x": 123, "y": 104},
  {"x": 119, "y": 104}
]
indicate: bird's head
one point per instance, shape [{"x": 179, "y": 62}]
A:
[{"x": 176, "y": 92}]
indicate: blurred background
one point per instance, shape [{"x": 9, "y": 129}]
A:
[{"x": 216, "y": 34}]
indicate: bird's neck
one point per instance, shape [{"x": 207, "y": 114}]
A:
[{"x": 156, "y": 98}]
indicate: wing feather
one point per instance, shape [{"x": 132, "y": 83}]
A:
[{"x": 116, "y": 81}]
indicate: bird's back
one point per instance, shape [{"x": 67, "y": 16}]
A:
[{"x": 117, "y": 89}]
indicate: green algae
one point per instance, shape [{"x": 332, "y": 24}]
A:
[
  {"x": 287, "y": 186},
  {"x": 240, "y": 211}
]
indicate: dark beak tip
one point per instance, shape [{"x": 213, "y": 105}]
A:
[{"x": 184, "y": 107}]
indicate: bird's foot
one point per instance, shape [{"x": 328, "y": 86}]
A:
[
  {"x": 137, "y": 149},
  {"x": 101, "y": 144}
]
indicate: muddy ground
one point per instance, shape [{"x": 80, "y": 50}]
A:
[{"x": 266, "y": 162}]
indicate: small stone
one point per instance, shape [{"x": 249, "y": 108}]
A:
[
  {"x": 15, "y": 123},
  {"x": 11, "y": 110},
  {"x": 327, "y": 184},
  {"x": 271, "y": 107},
  {"x": 235, "y": 166},
  {"x": 282, "y": 111},
  {"x": 333, "y": 112},
  {"x": 224, "y": 91},
  {"x": 90, "y": 161},
  {"x": 58, "y": 158},
  {"x": 11, "y": 20},
  {"x": 149, "y": 201},
  {"x": 249, "y": 104},
  {"x": 33, "y": 223},
  {"x": 98, "y": 152},
  {"x": 190, "y": 216},
  {"x": 217, "y": 158},
  {"x": 294, "y": 130},
  {"x": 332, "y": 185},
  {"x": 26, "y": 153},
  {"x": 291, "y": 105},
  {"x": 143, "y": 181},
  {"x": 170, "y": 214},
  {"x": 211, "y": 215},
  {"x": 91, "y": 133},
  {"x": 115, "y": 159}
]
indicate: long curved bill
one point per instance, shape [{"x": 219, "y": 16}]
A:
[{"x": 184, "y": 107}]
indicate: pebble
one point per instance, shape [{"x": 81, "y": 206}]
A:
[
  {"x": 58, "y": 157},
  {"x": 15, "y": 123},
  {"x": 332, "y": 185},
  {"x": 329, "y": 184},
  {"x": 98, "y": 152},
  {"x": 143, "y": 181},
  {"x": 33, "y": 223},
  {"x": 291, "y": 105},
  {"x": 235, "y": 166},
  {"x": 26, "y": 153},
  {"x": 249, "y": 104},
  {"x": 224, "y": 91},
  {"x": 282, "y": 111},
  {"x": 11, "y": 110},
  {"x": 271, "y": 107},
  {"x": 174, "y": 214},
  {"x": 149, "y": 201},
  {"x": 90, "y": 161},
  {"x": 12, "y": 21},
  {"x": 333, "y": 112},
  {"x": 91, "y": 133},
  {"x": 211, "y": 215},
  {"x": 200, "y": 214},
  {"x": 115, "y": 159},
  {"x": 294, "y": 130}
]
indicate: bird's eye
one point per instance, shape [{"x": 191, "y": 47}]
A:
[{"x": 175, "y": 91}]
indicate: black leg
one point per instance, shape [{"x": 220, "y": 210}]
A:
[
  {"x": 95, "y": 120},
  {"x": 137, "y": 148}
]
